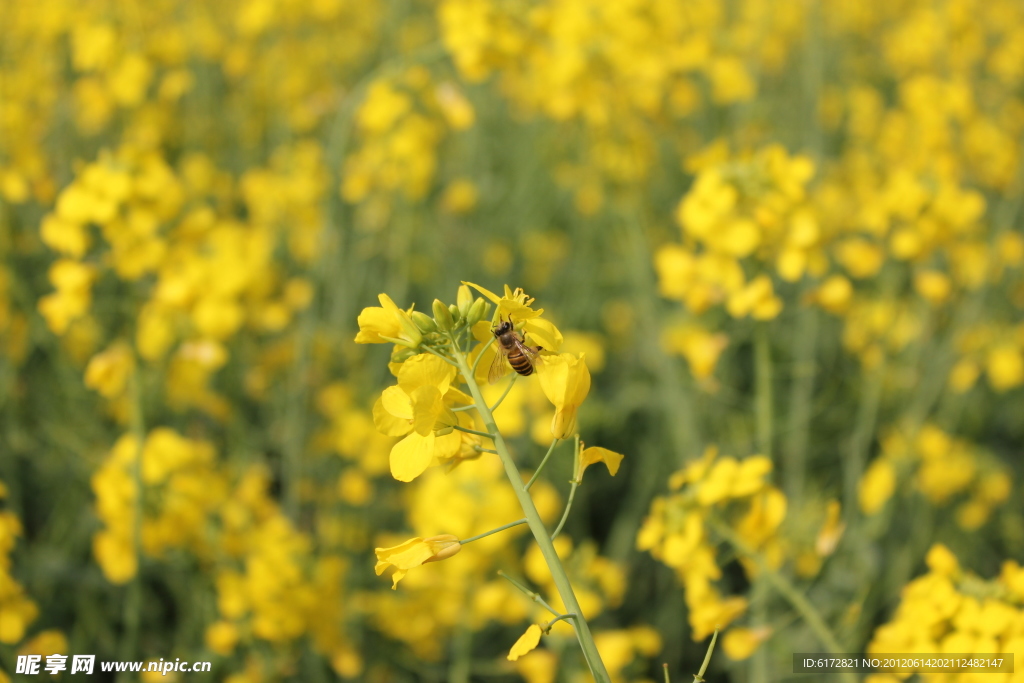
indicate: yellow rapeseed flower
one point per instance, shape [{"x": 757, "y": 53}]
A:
[
  {"x": 417, "y": 408},
  {"x": 565, "y": 380},
  {"x": 387, "y": 323},
  {"x": 414, "y": 553}
]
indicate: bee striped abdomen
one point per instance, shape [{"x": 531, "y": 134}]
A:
[{"x": 520, "y": 363}]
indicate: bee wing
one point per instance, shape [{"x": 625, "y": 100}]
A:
[
  {"x": 499, "y": 366},
  {"x": 531, "y": 352}
]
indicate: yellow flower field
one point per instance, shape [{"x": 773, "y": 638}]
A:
[{"x": 314, "y": 315}]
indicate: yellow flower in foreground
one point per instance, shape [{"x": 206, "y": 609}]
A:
[
  {"x": 413, "y": 553},
  {"x": 589, "y": 456},
  {"x": 514, "y": 305},
  {"x": 417, "y": 408},
  {"x": 387, "y": 323},
  {"x": 565, "y": 380},
  {"x": 526, "y": 643}
]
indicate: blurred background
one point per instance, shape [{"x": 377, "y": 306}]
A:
[{"x": 787, "y": 229}]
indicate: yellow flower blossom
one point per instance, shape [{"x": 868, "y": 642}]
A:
[
  {"x": 565, "y": 380},
  {"x": 387, "y": 323},
  {"x": 418, "y": 409},
  {"x": 414, "y": 553},
  {"x": 513, "y": 305}
]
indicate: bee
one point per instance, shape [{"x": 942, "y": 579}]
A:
[{"x": 512, "y": 353}]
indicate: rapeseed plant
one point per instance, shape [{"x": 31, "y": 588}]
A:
[{"x": 419, "y": 405}]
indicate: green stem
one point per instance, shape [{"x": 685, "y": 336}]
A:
[
  {"x": 443, "y": 357},
  {"x": 543, "y": 462},
  {"x": 763, "y": 389},
  {"x": 699, "y": 676},
  {"x": 800, "y": 398},
  {"x": 464, "y": 541},
  {"x": 476, "y": 362},
  {"x": 572, "y": 491},
  {"x": 540, "y": 533},
  {"x": 786, "y": 589},
  {"x": 536, "y": 597},
  {"x": 557, "y": 619},
  {"x": 486, "y": 435},
  {"x": 462, "y": 655},
  {"x": 511, "y": 384},
  {"x": 133, "y": 600},
  {"x": 860, "y": 442}
]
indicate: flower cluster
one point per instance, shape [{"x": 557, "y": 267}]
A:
[
  {"x": 19, "y": 610},
  {"x": 951, "y": 610},
  {"x": 676, "y": 531},
  {"x": 943, "y": 468}
]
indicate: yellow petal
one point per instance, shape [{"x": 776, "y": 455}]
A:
[
  {"x": 526, "y": 643},
  {"x": 405, "y": 323},
  {"x": 513, "y": 310},
  {"x": 374, "y": 322},
  {"x": 397, "y": 402},
  {"x": 597, "y": 454},
  {"x": 413, "y": 553},
  {"x": 563, "y": 424},
  {"x": 388, "y": 424},
  {"x": 427, "y": 407},
  {"x": 553, "y": 376},
  {"x": 454, "y": 395},
  {"x": 579, "y": 381},
  {"x": 411, "y": 456},
  {"x": 486, "y": 292},
  {"x": 543, "y": 333},
  {"x": 447, "y": 447},
  {"x": 425, "y": 370},
  {"x": 397, "y": 555}
]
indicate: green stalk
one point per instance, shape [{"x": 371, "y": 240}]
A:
[
  {"x": 787, "y": 590},
  {"x": 485, "y": 534},
  {"x": 543, "y": 462},
  {"x": 794, "y": 454},
  {"x": 540, "y": 532},
  {"x": 133, "y": 599},
  {"x": 758, "y": 666},
  {"x": 860, "y": 441},
  {"x": 763, "y": 389}
]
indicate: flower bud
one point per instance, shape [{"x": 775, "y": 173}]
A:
[
  {"x": 442, "y": 316},
  {"x": 477, "y": 312},
  {"x": 444, "y": 546},
  {"x": 456, "y": 314},
  {"x": 423, "y": 321},
  {"x": 465, "y": 300}
]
